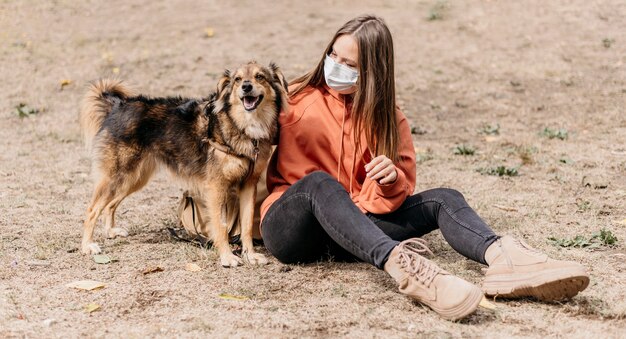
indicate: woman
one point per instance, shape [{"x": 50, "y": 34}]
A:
[{"x": 342, "y": 179}]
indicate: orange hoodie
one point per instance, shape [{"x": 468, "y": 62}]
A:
[{"x": 316, "y": 134}]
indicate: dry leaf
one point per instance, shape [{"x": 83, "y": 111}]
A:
[
  {"x": 86, "y": 285},
  {"x": 491, "y": 138},
  {"x": 191, "y": 267},
  {"x": 209, "y": 32},
  {"x": 65, "y": 82},
  {"x": 486, "y": 304},
  {"x": 152, "y": 270},
  {"x": 227, "y": 296},
  {"x": 115, "y": 70},
  {"x": 49, "y": 322},
  {"x": 91, "y": 307},
  {"x": 102, "y": 259}
]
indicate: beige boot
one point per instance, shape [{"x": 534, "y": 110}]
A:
[
  {"x": 518, "y": 270},
  {"x": 421, "y": 279}
]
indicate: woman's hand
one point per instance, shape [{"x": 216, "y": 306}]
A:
[{"x": 382, "y": 170}]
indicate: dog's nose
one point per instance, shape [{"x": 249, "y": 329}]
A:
[{"x": 247, "y": 86}]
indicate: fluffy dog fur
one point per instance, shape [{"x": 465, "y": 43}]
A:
[{"x": 214, "y": 145}]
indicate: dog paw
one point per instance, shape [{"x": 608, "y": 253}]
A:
[
  {"x": 91, "y": 248},
  {"x": 117, "y": 232},
  {"x": 230, "y": 260},
  {"x": 255, "y": 259}
]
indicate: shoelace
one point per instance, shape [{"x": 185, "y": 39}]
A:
[{"x": 412, "y": 261}]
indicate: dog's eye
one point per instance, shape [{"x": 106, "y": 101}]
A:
[
  {"x": 237, "y": 79},
  {"x": 260, "y": 77}
]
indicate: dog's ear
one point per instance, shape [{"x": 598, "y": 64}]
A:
[
  {"x": 278, "y": 77},
  {"x": 223, "y": 83},
  {"x": 280, "y": 86},
  {"x": 220, "y": 100}
]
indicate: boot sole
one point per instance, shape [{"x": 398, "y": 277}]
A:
[
  {"x": 462, "y": 310},
  {"x": 544, "y": 285}
]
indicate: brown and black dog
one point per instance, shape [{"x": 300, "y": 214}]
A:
[{"x": 212, "y": 145}]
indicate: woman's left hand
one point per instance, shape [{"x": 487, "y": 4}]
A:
[{"x": 382, "y": 170}]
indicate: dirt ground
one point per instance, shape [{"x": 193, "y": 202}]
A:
[{"x": 464, "y": 70}]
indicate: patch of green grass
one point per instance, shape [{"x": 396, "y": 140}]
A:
[
  {"x": 607, "y": 42},
  {"x": 606, "y": 237},
  {"x": 437, "y": 11},
  {"x": 22, "y": 110},
  {"x": 340, "y": 291},
  {"x": 418, "y": 130},
  {"x": 423, "y": 157},
  {"x": 464, "y": 150},
  {"x": 550, "y": 133},
  {"x": 489, "y": 129},
  {"x": 603, "y": 237},
  {"x": 500, "y": 171},
  {"x": 583, "y": 205}
]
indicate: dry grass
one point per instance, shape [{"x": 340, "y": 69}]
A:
[{"x": 519, "y": 66}]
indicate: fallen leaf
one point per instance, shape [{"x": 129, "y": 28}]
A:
[
  {"x": 86, "y": 285},
  {"x": 191, "y": 267},
  {"x": 49, "y": 322},
  {"x": 91, "y": 307},
  {"x": 102, "y": 259},
  {"x": 491, "y": 138},
  {"x": 152, "y": 270},
  {"x": 209, "y": 32},
  {"x": 486, "y": 304},
  {"x": 65, "y": 82},
  {"x": 227, "y": 296},
  {"x": 115, "y": 70}
]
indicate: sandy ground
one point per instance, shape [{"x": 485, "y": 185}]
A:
[{"x": 520, "y": 65}]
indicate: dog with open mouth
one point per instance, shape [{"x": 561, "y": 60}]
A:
[{"x": 214, "y": 146}]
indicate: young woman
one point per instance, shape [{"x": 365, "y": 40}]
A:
[{"x": 342, "y": 178}]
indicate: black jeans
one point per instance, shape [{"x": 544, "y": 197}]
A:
[{"x": 315, "y": 218}]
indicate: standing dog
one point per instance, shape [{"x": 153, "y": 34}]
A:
[{"x": 213, "y": 145}]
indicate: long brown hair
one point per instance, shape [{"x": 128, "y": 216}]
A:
[{"x": 374, "y": 105}]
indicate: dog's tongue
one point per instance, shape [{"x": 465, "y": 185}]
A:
[{"x": 249, "y": 102}]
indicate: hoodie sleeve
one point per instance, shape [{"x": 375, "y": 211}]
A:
[{"x": 381, "y": 199}]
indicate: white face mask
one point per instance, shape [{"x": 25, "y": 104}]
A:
[{"x": 339, "y": 77}]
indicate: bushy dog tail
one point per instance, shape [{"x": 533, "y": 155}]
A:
[{"x": 97, "y": 104}]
